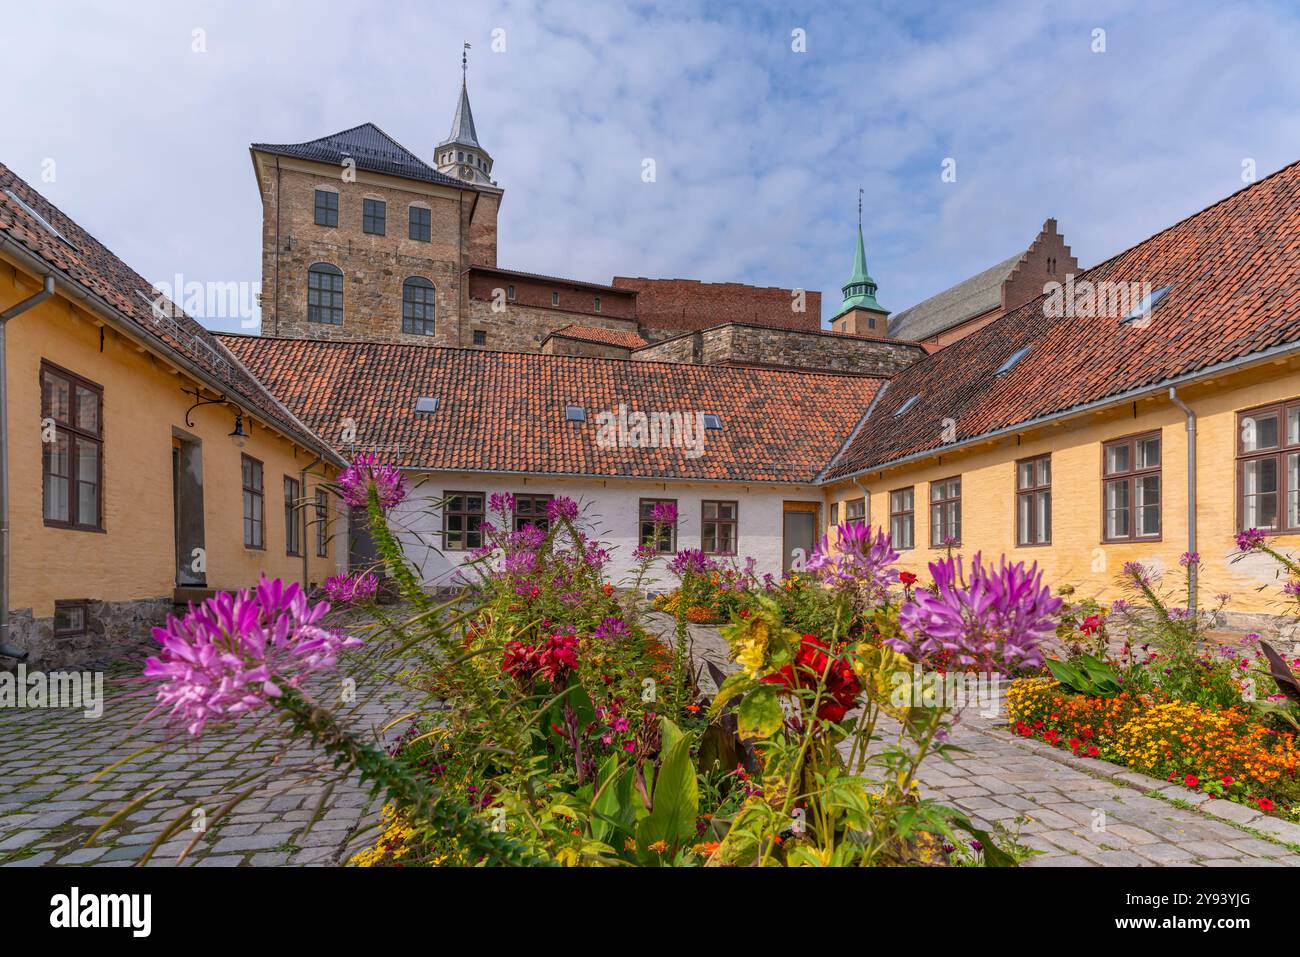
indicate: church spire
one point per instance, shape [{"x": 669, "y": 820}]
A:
[
  {"x": 460, "y": 154},
  {"x": 860, "y": 290}
]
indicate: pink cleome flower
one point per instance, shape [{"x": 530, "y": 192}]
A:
[
  {"x": 355, "y": 480},
  {"x": 351, "y": 589},
  {"x": 233, "y": 653}
]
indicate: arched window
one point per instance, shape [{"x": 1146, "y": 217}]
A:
[
  {"x": 417, "y": 306},
  {"x": 325, "y": 294}
]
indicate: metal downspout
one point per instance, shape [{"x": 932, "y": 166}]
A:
[
  {"x": 1192, "y": 571},
  {"x": 47, "y": 290},
  {"x": 302, "y": 483}
]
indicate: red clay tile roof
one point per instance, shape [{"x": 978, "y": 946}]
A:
[
  {"x": 87, "y": 263},
  {"x": 506, "y": 411},
  {"x": 607, "y": 337},
  {"x": 1234, "y": 277}
]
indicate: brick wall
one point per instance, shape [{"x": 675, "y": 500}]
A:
[
  {"x": 521, "y": 328},
  {"x": 685, "y": 305},
  {"x": 564, "y": 346},
  {"x": 736, "y": 344}
]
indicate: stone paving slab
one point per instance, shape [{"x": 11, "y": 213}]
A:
[{"x": 54, "y": 791}]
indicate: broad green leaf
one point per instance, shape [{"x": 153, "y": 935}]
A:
[
  {"x": 759, "y": 714},
  {"x": 676, "y": 801}
]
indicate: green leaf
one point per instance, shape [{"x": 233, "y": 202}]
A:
[
  {"x": 737, "y": 683},
  {"x": 759, "y": 714},
  {"x": 994, "y": 856},
  {"x": 676, "y": 801}
]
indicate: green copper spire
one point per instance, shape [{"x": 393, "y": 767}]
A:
[{"x": 860, "y": 290}]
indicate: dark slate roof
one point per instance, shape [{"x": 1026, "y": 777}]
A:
[
  {"x": 1233, "y": 272},
  {"x": 505, "y": 412},
  {"x": 85, "y": 261},
  {"x": 371, "y": 148},
  {"x": 969, "y": 298}
]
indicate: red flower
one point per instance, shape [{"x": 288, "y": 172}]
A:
[
  {"x": 1191, "y": 780},
  {"x": 1091, "y": 624},
  {"x": 841, "y": 687},
  {"x": 553, "y": 660},
  {"x": 1265, "y": 804},
  {"x": 907, "y": 578},
  {"x": 1092, "y": 751},
  {"x": 1075, "y": 744},
  {"x": 1227, "y": 779}
]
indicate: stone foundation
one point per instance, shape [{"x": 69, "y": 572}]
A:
[{"x": 115, "y": 631}]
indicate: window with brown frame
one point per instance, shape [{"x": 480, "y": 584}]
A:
[
  {"x": 902, "y": 517},
  {"x": 855, "y": 510},
  {"x": 254, "y": 503},
  {"x": 531, "y": 510},
  {"x": 718, "y": 527},
  {"x": 1268, "y": 468},
  {"x": 1131, "y": 488},
  {"x": 292, "y": 516},
  {"x": 667, "y": 543},
  {"x": 322, "y": 524},
  {"x": 945, "y": 512},
  {"x": 834, "y": 514},
  {"x": 462, "y": 521},
  {"x": 1034, "y": 501},
  {"x": 69, "y": 619},
  {"x": 72, "y": 451}
]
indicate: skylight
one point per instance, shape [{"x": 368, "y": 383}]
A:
[
  {"x": 712, "y": 421},
  {"x": 1014, "y": 360},
  {"x": 48, "y": 226},
  {"x": 1143, "y": 309},
  {"x": 575, "y": 413},
  {"x": 905, "y": 406},
  {"x": 427, "y": 404}
]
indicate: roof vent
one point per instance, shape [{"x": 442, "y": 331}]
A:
[
  {"x": 45, "y": 223},
  {"x": 905, "y": 406},
  {"x": 712, "y": 421},
  {"x": 575, "y": 413},
  {"x": 1143, "y": 309},
  {"x": 1014, "y": 360},
  {"x": 426, "y": 404}
]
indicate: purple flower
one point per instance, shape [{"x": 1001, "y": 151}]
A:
[
  {"x": 347, "y": 590},
  {"x": 1292, "y": 588},
  {"x": 235, "y": 652},
  {"x": 1118, "y": 606},
  {"x": 994, "y": 621},
  {"x": 664, "y": 513},
  {"x": 644, "y": 553},
  {"x": 612, "y": 629},
  {"x": 1189, "y": 559},
  {"x": 503, "y": 503},
  {"x": 561, "y": 507},
  {"x": 860, "y": 559},
  {"x": 355, "y": 480},
  {"x": 1251, "y": 540},
  {"x": 690, "y": 561},
  {"x": 1137, "y": 573},
  {"x": 521, "y": 563}
]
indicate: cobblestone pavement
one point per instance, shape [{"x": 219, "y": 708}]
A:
[
  {"x": 300, "y": 810},
  {"x": 1077, "y": 812}
]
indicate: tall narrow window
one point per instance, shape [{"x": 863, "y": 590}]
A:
[
  {"x": 418, "y": 303},
  {"x": 322, "y": 523},
  {"x": 855, "y": 510},
  {"x": 945, "y": 513},
  {"x": 292, "y": 516},
  {"x": 374, "y": 213},
  {"x": 327, "y": 207},
  {"x": 325, "y": 294},
  {"x": 719, "y": 527},
  {"x": 531, "y": 510},
  {"x": 555, "y": 298},
  {"x": 1034, "y": 501},
  {"x": 462, "y": 520},
  {"x": 71, "y": 470},
  {"x": 1131, "y": 488},
  {"x": 421, "y": 226},
  {"x": 254, "y": 502},
  {"x": 1268, "y": 468},
  {"x": 667, "y": 543},
  {"x": 902, "y": 517}
]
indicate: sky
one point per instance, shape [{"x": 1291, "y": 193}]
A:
[{"x": 965, "y": 124}]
